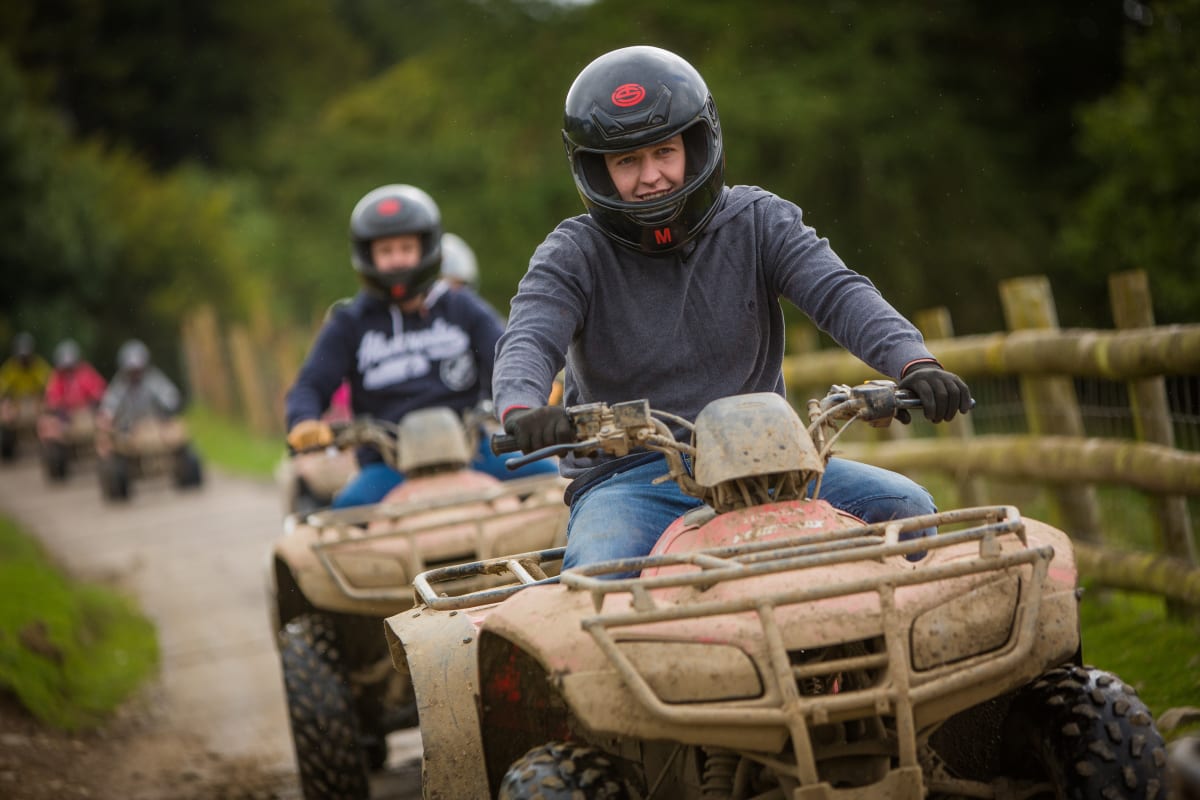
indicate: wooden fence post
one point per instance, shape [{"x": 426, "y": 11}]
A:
[
  {"x": 934, "y": 324},
  {"x": 1051, "y": 407},
  {"x": 251, "y": 383},
  {"x": 1129, "y": 294},
  {"x": 206, "y": 356}
]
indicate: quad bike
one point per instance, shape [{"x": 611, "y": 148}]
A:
[
  {"x": 152, "y": 447},
  {"x": 66, "y": 438},
  {"x": 18, "y": 424},
  {"x": 337, "y": 574},
  {"x": 771, "y": 646}
]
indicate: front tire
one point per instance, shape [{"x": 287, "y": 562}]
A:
[
  {"x": 54, "y": 458},
  {"x": 564, "y": 771},
  {"x": 1091, "y": 735},
  {"x": 321, "y": 712}
]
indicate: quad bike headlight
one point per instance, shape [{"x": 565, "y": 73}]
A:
[
  {"x": 978, "y": 621},
  {"x": 694, "y": 672}
]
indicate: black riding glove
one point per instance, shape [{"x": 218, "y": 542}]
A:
[
  {"x": 535, "y": 428},
  {"x": 943, "y": 394}
]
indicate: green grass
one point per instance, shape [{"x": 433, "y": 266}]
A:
[
  {"x": 69, "y": 652},
  {"x": 232, "y": 446},
  {"x": 1131, "y": 635}
]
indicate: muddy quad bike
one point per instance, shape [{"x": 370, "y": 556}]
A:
[
  {"x": 337, "y": 574},
  {"x": 18, "y": 425},
  {"x": 154, "y": 447},
  {"x": 66, "y": 439},
  {"x": 772, "y": 646}
]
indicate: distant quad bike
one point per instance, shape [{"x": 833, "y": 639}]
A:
[
  {"x": 154, "y": 447},
  {"x": 771, "y": 645},
  {"x": 337, "y": 574},
  {"x": 66, "y": 440},
  {"x": 18, "y": 425}
]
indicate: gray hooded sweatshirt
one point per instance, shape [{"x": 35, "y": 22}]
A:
[{"x": 685, "y": 329}]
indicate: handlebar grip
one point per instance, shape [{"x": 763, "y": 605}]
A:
[{"x": 504, "y": 443}]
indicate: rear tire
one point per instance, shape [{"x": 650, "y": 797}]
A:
[
  {"x": 54, "y": 459},
  {"x": 189, "y": 474},
  {"x": 114, "y": 477},
  {"x": 321, "y": 712},
  {"x": 564, "y": 771},
  {"x": 1091, "y": 735},
  {"x": 8, "y": 444}
]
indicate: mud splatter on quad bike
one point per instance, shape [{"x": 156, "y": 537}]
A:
[
  {"x": 772, "y": 646},
  {"x": 337, "y": 574}
]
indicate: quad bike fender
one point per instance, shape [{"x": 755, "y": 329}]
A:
[
  {"x": 324, "y": 473},
  {"x": 437, "y": 650},
  {"x": 544, "y": 621},
  {"x": 296, "y": 565}
]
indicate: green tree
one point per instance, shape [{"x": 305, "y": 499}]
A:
[
  {"x": 1142, "y": 209},
  {"x": 181, "y": 80}
]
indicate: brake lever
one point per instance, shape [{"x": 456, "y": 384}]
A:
[{"x": 546, "y": 452}]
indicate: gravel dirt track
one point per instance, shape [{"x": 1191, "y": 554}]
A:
[{"x": 213, "y": 725}]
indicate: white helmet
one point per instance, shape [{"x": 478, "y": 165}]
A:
[
  {"x": 458, "y": 261},
  {"x": 133, "y": 355}
]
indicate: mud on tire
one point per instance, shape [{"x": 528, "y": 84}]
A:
[
  {"x": 564, "y": 771},
  {"x": 1091, "y": 734},
  {"x": 321, "y": 712}
]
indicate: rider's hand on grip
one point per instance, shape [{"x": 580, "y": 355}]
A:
[
  {"x": 309, "y": 434},
  {"x": 943, "y": 394},
  {"x": 535, "y": 428}
]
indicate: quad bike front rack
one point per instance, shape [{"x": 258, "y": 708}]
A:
[
  {"x": 345, "y": 529},
  {"x": 784, "y": 703}
]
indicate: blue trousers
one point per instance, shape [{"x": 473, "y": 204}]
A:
[
  {"x": 623, "y": 515},
  {"x": 374, "y": 481}
]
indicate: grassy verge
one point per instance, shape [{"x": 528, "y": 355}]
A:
[
  {"x": 69, "y": 652},
  {"x": 232, "y": 447}
]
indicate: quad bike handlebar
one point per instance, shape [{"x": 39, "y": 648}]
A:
[
  {"x": 619, "y": 428},
  {"x": 359, "y": 431},
  {"x": 386, "y": 437}
]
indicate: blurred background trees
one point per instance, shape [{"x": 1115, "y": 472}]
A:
[{"x": 154, "y": 156}]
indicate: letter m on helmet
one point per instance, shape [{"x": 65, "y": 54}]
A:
[{"x": 662, "y": 236}]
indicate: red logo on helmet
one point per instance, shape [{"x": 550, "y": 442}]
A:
[
  {"x": 662, "y": 236},
  {"x": 628, "y": 94},
  {"x": 389, "y": 207}
]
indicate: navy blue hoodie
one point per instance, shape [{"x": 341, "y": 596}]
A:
[{"x": 441, "y": 355}]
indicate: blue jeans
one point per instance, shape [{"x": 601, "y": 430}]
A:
[
  {"x": 623, "y": 515},
  {"x": 374, "y": 481}
]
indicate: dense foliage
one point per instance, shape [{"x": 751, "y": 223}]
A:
[{"x": 154, "y": 156}]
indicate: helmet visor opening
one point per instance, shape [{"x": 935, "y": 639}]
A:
[{"x": 701, "y": 150}]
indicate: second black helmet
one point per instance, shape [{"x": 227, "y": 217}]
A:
[{"x": 396, "y": 210}]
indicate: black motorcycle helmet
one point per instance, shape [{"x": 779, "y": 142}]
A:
[
  {"x": 632, "y": 98},
  {"x": 395, "y": 210}
]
